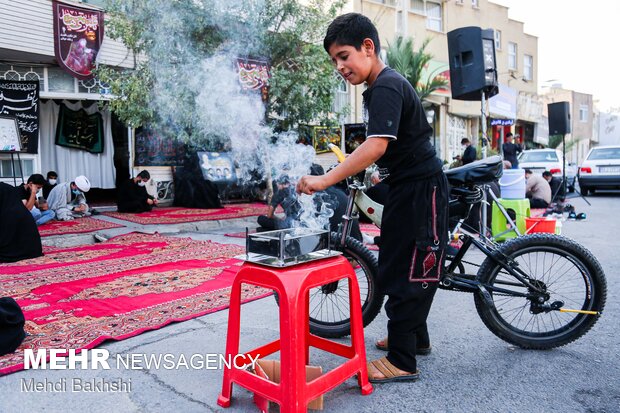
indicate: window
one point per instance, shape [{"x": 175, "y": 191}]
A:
[
  {"x": 417, "y": 6},
  {"x": 528, "y": 67},
  {"x": 6, "y": 168},
  {"x": 434, "y": 16},
  {"x": 474, "y": 4},
  {"x": 498, "y": 40},
  {"x": 388, "y": 2},
  {"x": 459, "y": 2},
  {"x": 583, "y": 113},
  {"x": 341, "y": 98},
  {"x": 512, "y": 56}
]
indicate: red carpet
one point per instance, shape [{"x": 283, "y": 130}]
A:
[
  {"x": 179, "y": 215},
  {"x": 78, "y": 297},
  {"x": 77, "y": 226}
]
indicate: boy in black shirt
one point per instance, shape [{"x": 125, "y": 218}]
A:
[{"x": 398, "y": 142}]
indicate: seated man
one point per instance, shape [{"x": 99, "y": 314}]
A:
[
  {"x": 285, "y": 197},
  {"x": 557, "y": 189},
  {"x": 537, "y": 189},
  {"x": 132, "y": 195},
  {"x": 19, "y": 237},
  {"x": 332, "y": 198},
  {"x": 68, "y": 200},
  {"x": 52, "y": 180},
  {"x": 28, "y": 194}
]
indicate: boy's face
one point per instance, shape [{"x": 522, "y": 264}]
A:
[{"x": 354, "y": 65}]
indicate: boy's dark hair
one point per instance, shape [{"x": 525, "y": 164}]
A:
[
  {"x": 547, "y": 174},
  {"x": 528, "y": 172},
  {"x": 52, "y": 174},
  {"x": 144, "y": 175},
  {"x": 464, "y": 141},
  {"x": 36, "y": 179},
  {"x": 350, "y": 30},
  {"x": 509, "y": 135}
]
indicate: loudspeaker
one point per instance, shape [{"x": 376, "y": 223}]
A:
[
  {"x": 559, "y": 118},
  {"x": 471, "y": 51}
]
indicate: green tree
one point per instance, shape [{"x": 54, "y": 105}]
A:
[
  {"x": 402, "y": 57},
  {"x": 171, "y": 39}
]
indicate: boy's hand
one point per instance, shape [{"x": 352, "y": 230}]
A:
[{"x": 310, "y": 184}]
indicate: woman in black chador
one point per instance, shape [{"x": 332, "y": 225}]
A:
[{"x": 19, "y": 236}]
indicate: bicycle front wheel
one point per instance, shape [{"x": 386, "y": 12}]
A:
[
  {"x": 330, "y": 311},
  {"x": 568, "y": 275}
]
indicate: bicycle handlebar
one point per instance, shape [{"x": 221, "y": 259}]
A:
[{"x": 336, "y": 150}]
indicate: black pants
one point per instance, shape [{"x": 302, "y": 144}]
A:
[
  {"x": 538, "y": 203},
  {"x": 414, "y": 235}
]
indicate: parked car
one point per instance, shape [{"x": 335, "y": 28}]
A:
[
  {"x": 541, "y": 160},
  {"x": 600, "y": 169}
]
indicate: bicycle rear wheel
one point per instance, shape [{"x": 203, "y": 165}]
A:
[
  {"x": 566, "y": 272},
  {"x": 329, "y": 304}
]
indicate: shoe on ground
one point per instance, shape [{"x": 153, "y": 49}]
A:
[{"x": 420, "y": 351}]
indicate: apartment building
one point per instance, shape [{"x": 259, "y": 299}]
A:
[{"x": 517, "y": 108}]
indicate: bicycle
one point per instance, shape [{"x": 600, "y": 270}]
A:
[{"x": 536, "y": 291}]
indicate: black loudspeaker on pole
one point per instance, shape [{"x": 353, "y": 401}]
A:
[
  {"x": 559, "y": 118},
  {"x": 471, "y": 53},
  {"x": 559, "y": 124}
]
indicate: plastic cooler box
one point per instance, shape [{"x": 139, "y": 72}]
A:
[{"x": 499, "y": 223}]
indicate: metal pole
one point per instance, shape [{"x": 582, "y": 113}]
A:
[
  {"x": 483, "y": 206},
  {"x": 564, "y": 164}
]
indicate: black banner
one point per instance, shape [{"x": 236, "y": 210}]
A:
[
  {"x": 155, "y": 148},
  {"x": 78, "y": 33},
  {"x": 78, "y": 129},
  {"x": 20, "y": 100}
]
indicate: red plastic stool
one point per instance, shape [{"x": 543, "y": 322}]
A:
[{"x": 292, "y": 285}]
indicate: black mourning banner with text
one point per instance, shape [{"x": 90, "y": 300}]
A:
[
  {"x": 156, "y": 147},
  {"x": 20, "y": 100},
  {"x": 77, "y": 129}
]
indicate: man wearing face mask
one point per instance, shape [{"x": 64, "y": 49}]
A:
[
  {"x": 52, "y": 180},
  {"x": 68, "y": 200},
  {"x": 132, "y": 195}
]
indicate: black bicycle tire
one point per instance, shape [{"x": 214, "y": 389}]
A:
[
  {"x": 370, "y": 309},
  {"x": 579, "y": 326}
]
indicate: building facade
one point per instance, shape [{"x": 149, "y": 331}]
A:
[
  {"x": 517, "y": 108},
  {"x": 27, "y": 54}
]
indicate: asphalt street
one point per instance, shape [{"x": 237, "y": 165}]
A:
[{"x": 469, "y": 370}]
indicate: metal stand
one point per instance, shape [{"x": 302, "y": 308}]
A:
[{"x": 483, "y": 120}]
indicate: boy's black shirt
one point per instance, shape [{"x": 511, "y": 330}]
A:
[{"x": 394, "y": 110}]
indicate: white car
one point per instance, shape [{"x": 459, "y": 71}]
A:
[
  {"x": 541, "y": 160},
  {"x": 600, "y": 169}
]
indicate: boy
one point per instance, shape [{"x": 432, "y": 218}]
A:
[{"x": 398, "y": 142}]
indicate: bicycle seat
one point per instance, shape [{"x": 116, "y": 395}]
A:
[{"x": 478, "y": 172}]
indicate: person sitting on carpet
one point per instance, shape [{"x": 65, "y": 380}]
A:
[
  {"x": 334, "y": 198},
  {"x": 52, "y": 180},
  {"x": 68, "y": 200},
  {"x": 132, "y": 195},
  {"x": 28, "y": 194},
  {"x": 537, "y": 189},
  {"x": 19, "y": 237}
]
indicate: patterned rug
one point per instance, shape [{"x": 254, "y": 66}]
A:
[
  {"x": 79, "y": 297},
  {"x": 77, "y": 226},
  {"x": 175, "y": 215}
]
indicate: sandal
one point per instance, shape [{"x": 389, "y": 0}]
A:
[
  {"x": 390, "y": 372},
  {"x": 383, "y": 346}
]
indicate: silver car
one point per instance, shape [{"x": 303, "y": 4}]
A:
[
  {"x": 600, "y": 169},
  {"x": 541, "y": 160}
]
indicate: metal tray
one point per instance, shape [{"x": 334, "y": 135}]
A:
[{"x": 286, "y": 247}]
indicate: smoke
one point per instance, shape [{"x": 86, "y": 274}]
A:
[{"x": 197, "y": 92}]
